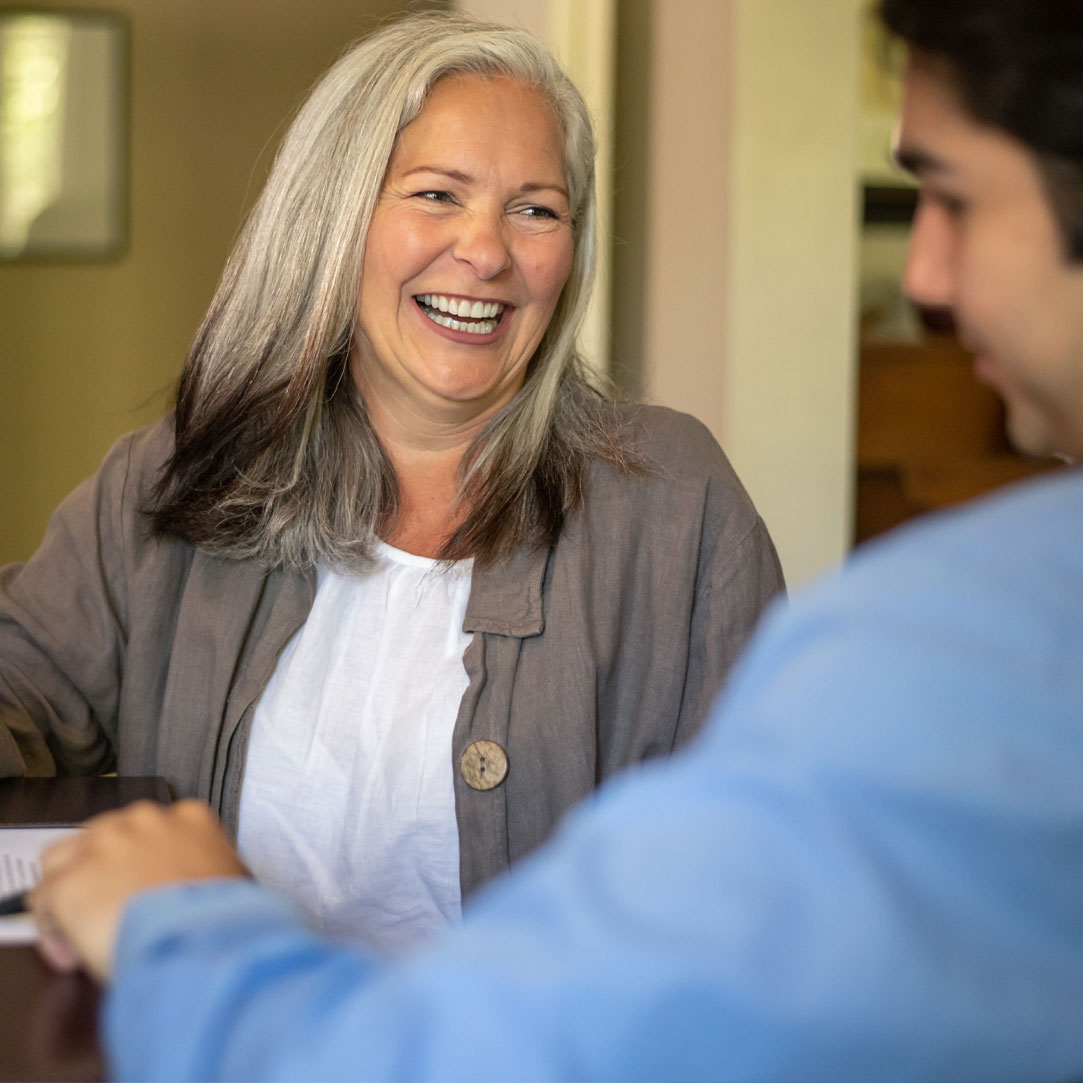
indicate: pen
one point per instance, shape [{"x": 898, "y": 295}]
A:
[{"x": 13, "y": 904}]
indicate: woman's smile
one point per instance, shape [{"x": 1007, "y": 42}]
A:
[{"x": 461, "y": 313}]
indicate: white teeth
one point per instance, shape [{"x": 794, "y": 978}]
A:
[
  {"x": 485, "y": 327},
  {"x": 476, "y": 310}
]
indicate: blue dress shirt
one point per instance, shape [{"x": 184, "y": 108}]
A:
[{"x": 870, "y": 866}]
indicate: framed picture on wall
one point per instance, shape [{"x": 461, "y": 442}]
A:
[{"x": 63, "y": 135}]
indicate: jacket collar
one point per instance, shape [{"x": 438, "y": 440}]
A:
[{"x": 506, "y": 597}]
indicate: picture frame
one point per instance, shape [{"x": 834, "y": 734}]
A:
[{"x": 64, "y": 133}]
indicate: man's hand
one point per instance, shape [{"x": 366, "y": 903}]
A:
[{"x": 88, "y": 879}]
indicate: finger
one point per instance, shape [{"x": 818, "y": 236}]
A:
[
  {"x": 196, "y": 814},
  {"x": 60, "y": 854},
  {"x": 52, "y": 944},
  {"x": 57, "y": 950},
  {"x": 138, "y": 816}
]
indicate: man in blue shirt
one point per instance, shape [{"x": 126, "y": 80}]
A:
[{"x": 871, "y": 864}]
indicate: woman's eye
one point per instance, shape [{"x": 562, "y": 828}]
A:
[
  {"x": 434, "y": 196},
  {"x": 539, "y": 212}
]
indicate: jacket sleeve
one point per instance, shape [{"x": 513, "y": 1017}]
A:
[
  {"x": 63, "y": 633},
  {"x": 734, "y": 588}
]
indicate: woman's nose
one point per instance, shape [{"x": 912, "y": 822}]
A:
[
  {"x": 930, "y": 275},
  {"x": 482, "y": 244}
]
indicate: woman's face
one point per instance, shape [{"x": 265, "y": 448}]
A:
[{"x": 468, "y": 250}]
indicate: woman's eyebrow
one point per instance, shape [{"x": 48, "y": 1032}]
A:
[
  {"x": 451, "y": 174},
  {"x": 466, "y": 178},
  {"x": 532, "y": 187}
]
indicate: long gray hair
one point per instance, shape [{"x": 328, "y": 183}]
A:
[{"x": 275, "y": 459}]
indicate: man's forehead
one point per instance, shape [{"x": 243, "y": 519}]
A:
[{"x": 934, "y": 129}]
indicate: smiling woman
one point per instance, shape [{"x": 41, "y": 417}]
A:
[{"x": 396, "y": 584}]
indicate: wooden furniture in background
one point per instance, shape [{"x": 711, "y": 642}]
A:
[{"x": 928, "y": 434}]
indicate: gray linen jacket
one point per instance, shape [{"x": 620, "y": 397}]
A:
[{"x": 120, "y": 650}]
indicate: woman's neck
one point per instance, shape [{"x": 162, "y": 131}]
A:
[{"x": 426, "y": 455}]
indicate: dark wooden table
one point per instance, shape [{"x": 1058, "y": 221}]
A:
[{"x": 49, "y": 1021}]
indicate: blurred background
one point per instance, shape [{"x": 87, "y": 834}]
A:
[{"x": 753, "y": 234}]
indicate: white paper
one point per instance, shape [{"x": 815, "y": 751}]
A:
[{"x": 20, "y": 869}]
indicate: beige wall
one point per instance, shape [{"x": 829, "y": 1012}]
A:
[
  {"x": 88, "y": 352},
  {"x": 739, "y": 227},
  {"x": 788, "y": 410}
]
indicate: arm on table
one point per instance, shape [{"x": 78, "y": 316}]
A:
[{"x": 867, "y": 867}]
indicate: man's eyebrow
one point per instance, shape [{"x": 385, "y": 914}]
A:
[
  {"x": 465, "y": 178},
  {"x": 918, "y": 161}
]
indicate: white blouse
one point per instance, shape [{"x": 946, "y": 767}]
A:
[{"x": 348, "y": 802}]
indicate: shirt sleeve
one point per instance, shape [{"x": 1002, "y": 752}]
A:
[{"x": 869, "y": 866}]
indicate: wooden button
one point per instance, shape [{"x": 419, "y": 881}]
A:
[{"x": 484, "y": 765}]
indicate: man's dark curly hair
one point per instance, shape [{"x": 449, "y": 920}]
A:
[{"x": 1017, "y": 65}]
